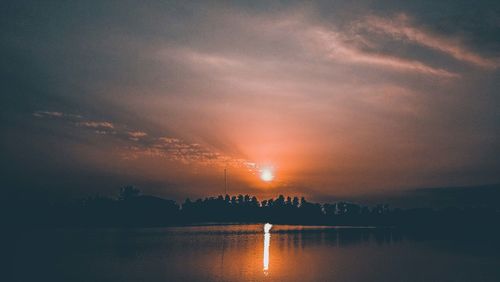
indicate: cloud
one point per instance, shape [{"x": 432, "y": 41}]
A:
[
  {"x": 168, "y": 147},
  {"x": 401, "y": 28},
  {"x": 44, "y": 114},
  {"x": 189, "y": 153},
  {"x": 136, "y": 135},
  {"x": 99, "y": 127},
  {"x": 178, "y": 150},
  {"x": 97, "y": 124},
  {"x": 335, "y": 48},
  {"x": 47, "y": 114},
  {"x": 308, "y": 38}
]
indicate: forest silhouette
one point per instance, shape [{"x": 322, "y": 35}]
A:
[{"x": 133, "y": 209}]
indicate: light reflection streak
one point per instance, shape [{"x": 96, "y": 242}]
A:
[{"x": 267, "y": 240}]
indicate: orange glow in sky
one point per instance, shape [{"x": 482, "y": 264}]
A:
[{"x": 296, "y": 102}]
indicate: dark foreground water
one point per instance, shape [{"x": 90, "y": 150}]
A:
[{"x": 246, "y": 253}]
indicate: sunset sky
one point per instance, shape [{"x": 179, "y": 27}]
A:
[{"x": 331, "y": 97}]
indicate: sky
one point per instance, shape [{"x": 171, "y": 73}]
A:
[{"x": 325, "y": 98}]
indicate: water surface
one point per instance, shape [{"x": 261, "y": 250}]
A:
[{"x": 246, "y": 253}]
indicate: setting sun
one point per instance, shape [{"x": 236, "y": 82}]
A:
[{"x": 267, "y": 175}]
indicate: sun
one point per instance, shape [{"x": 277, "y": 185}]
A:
[{"x": 266, "y": 175}]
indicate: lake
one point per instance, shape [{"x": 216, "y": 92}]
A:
[{"x": 247, "y": 253}]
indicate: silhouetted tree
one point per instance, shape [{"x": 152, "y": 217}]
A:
[
  {"x": 264, "y": 203},
  {"x": 129, "y": 192}
]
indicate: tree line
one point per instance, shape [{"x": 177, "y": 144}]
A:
[{"x": 133, "y": 209}]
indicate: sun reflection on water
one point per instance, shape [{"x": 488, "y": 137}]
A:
[{"x": 267, "y": 240}]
